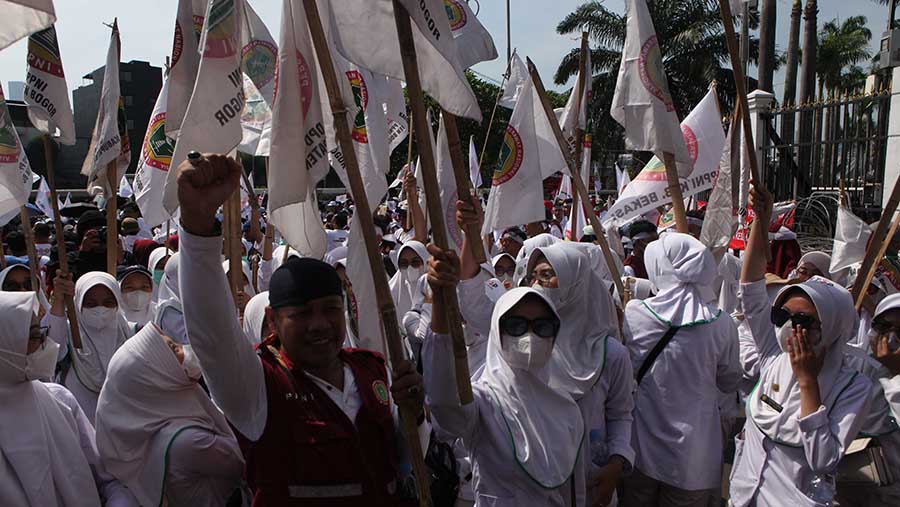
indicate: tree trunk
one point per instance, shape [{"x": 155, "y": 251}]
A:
[
  {"x": 788, "y": 122},
  {"x": 808, "y": 84},
  {"x": 767, "y": 45}
]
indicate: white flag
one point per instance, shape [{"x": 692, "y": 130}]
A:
[
  {"x": 702, "y": 132},
  {"x": 473, "y": 42},
  {"x": 212, "y": 122},
  {"x": 397, "y": 116},
  {"x": 575, "y": 228},
  {"x": 642, "y": 103},
  {"x": 447, "y": 186},
  {"x": 518, "y": 77},
  {"x": 365, "y": 32},
  {"x": 155, "y": 161},
  {"x": 185, "y": 61},
  {"x": 299, "y": 153},
  {"x": 622, "y": 179},
  {"x": 46, "y": 93},
  {"x": 42, "y": 200},
  {"x": 259, "y": 57},
  {"x": 125, "y": 190},
  {"x": 474, "y": 169},
  {"x": 851, "y": 235},
  {"x": 565, "y": 188},
  {"x": 109, "y": 141},
  {"x": 68, "y": 201},
  {"x": 720, "y": 222},
  {"x": 571, "y": 120},
  {"x": 15, "y": 172},
  {"x": 23, "y": 17},
  {"x": 517, "y": 191}
]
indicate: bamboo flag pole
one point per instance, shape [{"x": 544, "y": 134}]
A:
[
  {"x": 367, "y": 226},
  {"x": 877, "y": 246},
  {"x": 577, "y": 182},
  {"x": 112, "y": 223},
  {"x": 61, "y": 243},
  {"x": 432, "y": 196},
  {"x": 579, "y": 132},
  {"x": 33, "y": 262},
  {"x": 409, "y": 153},
  {"x": 463, "y": 184},
  {"x": 675, "y": 191},
  {"x": 232, "y": 213}
]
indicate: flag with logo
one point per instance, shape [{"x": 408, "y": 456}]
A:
[
  {"x": 517, "y": 191},
  {"x": 851, "y": 235},
  {"x": 185, "y": 61},
  {"x": 565, "y": 188},
  {"x": 298, "y": 135},
  {"x": 365, "y": 32},
  {"x": 24, "y": 17},
  {"x": 473, "y": 42},
  {"x": 474, "y": 168},
  {"x": 642, "y": 103},
  {"x": 395, "y": 109},
  {"x": 702, "y": 132},
  {"x": 212, "y": 121},
  {"x": 578, "y": 221},
  {"x": 259, "y": 55},
  {"x": 46, "y": 92},
  {"x": 515, "y": 83},
  {"x": 154, "y": 163},
  {"x": 109, "y": 142},
  {"x": 720, "y": 222},
  {"x": 15, "y": 172},
  {"x": 447, "y": 186}
]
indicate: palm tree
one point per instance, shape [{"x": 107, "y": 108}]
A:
[
  {"x": 841, "y": 45},
  {"x": 692, "y": 42}
]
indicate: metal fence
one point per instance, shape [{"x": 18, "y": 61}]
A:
[{"x": 814, "y": 147}]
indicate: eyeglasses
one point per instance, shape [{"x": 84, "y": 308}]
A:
[
  {"x": 542, "y": 275},
  {"x": 12, "y": 286},
  {"x": 517, "y": 326},
  {"x": 883, "y": 327},
  {"x": 416, "y": 263},
  {"x": 810, "y": 272},
  {"x": 780, "y": 316},
  {"x": 500, "y": 271}
]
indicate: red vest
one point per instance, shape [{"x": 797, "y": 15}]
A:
[{"x": 311, "y": 454}]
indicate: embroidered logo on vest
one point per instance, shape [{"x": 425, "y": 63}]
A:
[{"x": 381, "y": 392}]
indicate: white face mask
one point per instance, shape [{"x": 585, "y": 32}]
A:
[
  {"x": 98, "y": 317},
  {"x": 41, "y": 364},
  {"x": 137, "y": 300},
  {"x": 414, "y": 273},
  {"x": 506, "y": 280},
  {"x": 191, "y": 364},
  {"x": 526, "y": 352},
  {"x": 553, "y": 294},
  {"x": 786, "y": 330}
]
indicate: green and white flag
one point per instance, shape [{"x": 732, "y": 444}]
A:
[
  {"x": 154, "y": 164},
  {"x": 46, "y": 92},
  {"x": 259, "y": 58},
  {"x": 185, "y": 61},
  {"x": 15, "y": 172}
]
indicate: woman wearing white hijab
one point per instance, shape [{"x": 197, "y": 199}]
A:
[
  {"x": 98, "y": 304},
  {"x": 524, "y": 437},
  {"x": 808, "y": 404},
  {"x": 136, "y": 284},
  {"x": 411, "y": 260},
  {"x": 48, "y": 454},
  {"x": 157, "y": 267},
  {"x": 169, "y": 313},
  {"x": 677, "y": 425},
  {"x": 255, "y": 326},
  {"x": 159, "y": 433},
  {"x": 17, "y": 278}
]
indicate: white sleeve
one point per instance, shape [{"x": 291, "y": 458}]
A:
[
  {"x": 728, "y": 372},
  {"x": 891, "y": 386},
  {"x": 198, "y": 452},
  {"x": 230, "y": 366},
  {"x": 474, "y": 305},
  {"x": 757, "y": 314},
  {"x": 59, "y": 332},
  {"x": 619, "y": 401},
  {"x": 749, "y": 354},
  {"x": 447, "y": 412},
  {"x": 265, "y": 274}
]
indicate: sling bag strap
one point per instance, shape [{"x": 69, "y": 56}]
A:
[{"x": 657, "y": 350}]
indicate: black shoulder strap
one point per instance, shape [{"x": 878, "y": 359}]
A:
[{"x": 657, "y": 350}]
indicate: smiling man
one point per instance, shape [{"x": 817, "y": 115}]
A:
[{"x": 316, "y": 421}]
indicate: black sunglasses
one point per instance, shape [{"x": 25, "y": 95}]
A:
[
  {"x": 805, "y": 321},
  {"x": 517, "y": 326}
]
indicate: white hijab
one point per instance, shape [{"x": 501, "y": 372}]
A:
[
  {"x": 146, "y": 402},
  {"x": 587, "y": 318},
  {"x": 545, "y": 425},
  {"x": 42, "y": 298},
  {"x": 245, "y": 269},
  {"x": 682, "y": 269},
  {"x": 143, "y": 315},
  {"x": 168, "y": 288},
  {"x": 156, "y": 256},
  {"x": 254, "y": 316},
  {"x": 278, "y": 256},
  {"x": 98, "y": 344},
  {"x": 839, "y": 321},
  {"x": 539, "y": 241},
  {"x": 38, "y": 436},
  {"x": 403, "y": 283}
]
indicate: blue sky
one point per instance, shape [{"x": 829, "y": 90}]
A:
[{"x": 146, "y": 27}]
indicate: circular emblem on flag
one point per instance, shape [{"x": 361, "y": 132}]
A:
[
  {"x": 381, "y": 392},
  {"x": 511, "y": 154},
  {"x": 304, "y": 80},
  {"x": 258, "y": 61},
  {"x": 9, "y": 145},
  {"x": 178, "y": 44},
  {"x": 456, "y": 14},
  {"x": 690, "y": 139},
  {"x": 221, "y": 33},
  {"x": 361, "y": 98},
  {"x": 450, "y": 220},
  {"x": 157, "y": 147},
  {"x": 653, "y": 77}
]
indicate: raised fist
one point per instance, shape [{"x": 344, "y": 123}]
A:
[{"x": 203, "y": 185}]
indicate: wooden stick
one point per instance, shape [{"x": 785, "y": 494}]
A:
[
  {"x": 675, "y": 191},
  {"x": 463, "y": 183},
  {"x": 577, "y": 182},
  {"x": 409, "y": 153},
  {"x": 367, "y": 226},
  {"x": 166, "y": 239},
  {"x": 877, "y": 246},
  {"x": 61, "y": 243},
  {"x": 33, "y": 261},
  {"x": 432, "y": 195},
  {"x": 112, "y": 223},
  {"x": 579, "y": 132},
  {"x": 233, "y": 240},
  {"x": 740, "y": 86}
]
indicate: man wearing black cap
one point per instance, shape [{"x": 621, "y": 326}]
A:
[
  {"x": 316, "y": 422},
  {"x": 92, "y": 247}
]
